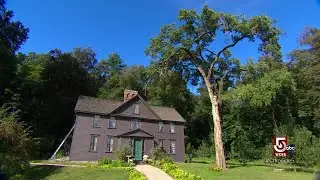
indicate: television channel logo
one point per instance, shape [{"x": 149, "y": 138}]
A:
[{"x": 281, "y": 148}]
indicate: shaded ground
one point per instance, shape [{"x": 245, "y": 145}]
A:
[
  {"x": 238, "y": 171},
  {"x": 77, "y": 173}
]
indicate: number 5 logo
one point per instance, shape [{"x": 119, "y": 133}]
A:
[{"x": 280, "y": 144}]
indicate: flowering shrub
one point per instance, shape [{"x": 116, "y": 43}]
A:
[
  {"x": 216, "y": 168},
  {"x": 136, "y": 175},
  {"x": 175, "y": 172}
]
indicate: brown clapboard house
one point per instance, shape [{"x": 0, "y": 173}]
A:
[{"x": 104, "y": 126}]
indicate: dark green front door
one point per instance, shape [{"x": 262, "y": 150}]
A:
[{"x": 138, "y": 149}]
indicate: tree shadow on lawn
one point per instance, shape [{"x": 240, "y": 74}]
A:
[
  {"x": 41, "y": 172},
  {"x": 202, "y": 162},
  {"x": 288, "y": 169}
]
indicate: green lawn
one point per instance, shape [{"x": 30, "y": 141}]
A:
[
  {"x": 237, "y": 171},
  {"x": 68, "y": 173}
]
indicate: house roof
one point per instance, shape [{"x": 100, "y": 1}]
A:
[{"x": 88, "y": 104}]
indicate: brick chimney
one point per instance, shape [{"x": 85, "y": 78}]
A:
[{"x": 128, "y": 94}]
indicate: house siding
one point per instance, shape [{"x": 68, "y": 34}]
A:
[
  {"x": 83, "y": 129},
  {"x": 144, "y": 111}
]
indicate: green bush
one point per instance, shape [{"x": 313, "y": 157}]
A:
[
  {"x": 105, "y": 160},
  {"x": 189, "y": 149},
  {"x": 60, "y": 154},
  {"x": 115, "y": 163},
  {"x": 244, "y": 150},
  {"x": 206, "y": 149},
  {"x": 177, "y": 173},
  {"x": 136, "y": 175},
  {"x": 186, "y": 158},
  {"x": 306, "y": 147},
  {"x": 119, "y": 163},
  {"x": 123, "y": 153},
  {"x": 159, "y": 154},
  {"x": 15, "y": 144}
]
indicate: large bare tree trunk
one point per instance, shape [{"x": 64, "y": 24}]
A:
[{"x": 220, "y": 156}]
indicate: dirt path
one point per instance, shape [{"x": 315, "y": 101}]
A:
[{"x": 153, "y": 173}]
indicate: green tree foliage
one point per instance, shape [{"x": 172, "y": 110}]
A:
[
  {"x": 305, "y": 66},
  {"x": 86, "y": 58},
  {"x": 111, "y": 66},
  {"x": 12, "y": 35},
  {"x": 133, "y": 77},
  {"x": 15, "y": 144},
  {"x": 170, "y": 90},
  {"x": 199, "y": 125}
]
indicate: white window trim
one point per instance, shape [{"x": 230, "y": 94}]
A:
[
  {"x": 131, "y": 124},
  {"x": 93, "y": 146},
  {"x": 159, "y": 127},
  {"x": 173, "y": 147},
  {"x": 109, "y": 122},
  {"x": 110, "y": 147},
  {"x": 96, "y": 119},
  {"x": 173, "y": 126}
]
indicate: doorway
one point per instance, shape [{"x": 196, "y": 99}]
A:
[{"x": 138, "y": 149}]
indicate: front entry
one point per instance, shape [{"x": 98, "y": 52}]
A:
[{"x": 137, "y": 149}]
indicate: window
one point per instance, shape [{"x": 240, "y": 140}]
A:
[
  {"x": 135, "y": 124},
  {"x": 172, "y": 147},
  {"x": 171, "y": 130},
  {"x": 93, "y": 143},
  {"x": 160, "y": 126},
  {"x": 136, "y": 109},
  {"x": 112, "y": 123},
  {"x": 110, "y": 141},
  {"x": 96, "y": 121},
  {"x": 161, "y": 142}
]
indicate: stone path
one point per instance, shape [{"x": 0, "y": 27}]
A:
[{"x": 153, "y": 173}]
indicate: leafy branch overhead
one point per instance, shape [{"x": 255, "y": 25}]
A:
[
  {"x": 263, "y": 91},
  {"x": 189, "y": 48}
]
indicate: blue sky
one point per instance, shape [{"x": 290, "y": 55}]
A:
[{"x": 126, "y": 26}]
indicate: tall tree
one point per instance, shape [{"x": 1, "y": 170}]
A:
[
  {"x": 305, "y": 66},
  {"x": 86, "y": 58},
  {"x": 188, "y": 47},
  {"x": 111, "y": 66},
  {"x": 12, "y": 35}
]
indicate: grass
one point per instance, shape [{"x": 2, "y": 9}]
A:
[
  {"x": 66, "y": 173},
  {"x": 238, "y": 171}
]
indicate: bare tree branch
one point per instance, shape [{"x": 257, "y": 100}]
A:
[
  {"x": 229, "y": 46},
  {"x": 206, "y": 49},
  {"x": 199, "y": 38},
  {"x": 225, "y": 74},
  {"x": 219, "y": 54}
]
